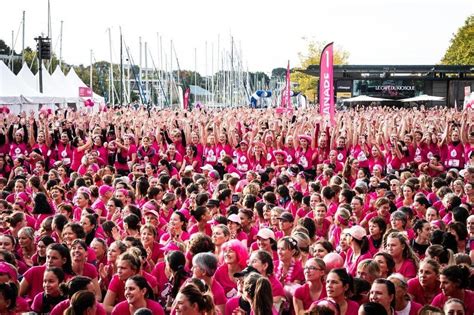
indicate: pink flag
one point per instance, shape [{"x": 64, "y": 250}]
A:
[
  {"x": 286, "y": 95},
  {"x": 186, "y": 98},
  {"x": 326, "y": 84},
  {"x": 85, "y": 92}
]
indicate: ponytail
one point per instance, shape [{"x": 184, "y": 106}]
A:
[
  {"x": 263, "y": 299},
  {"x": 80, "y": 302}
]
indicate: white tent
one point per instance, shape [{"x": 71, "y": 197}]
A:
[
  {"x": 17, "y": 93},
  {"x": 365, "y": 98},
  {"x": 10, "y": 90},
  {"x": 70, "y": 92},
  {"x": 74, "y": 80},
  {"x": 424, "y": 98},
  {"x": 28, "y": 77}
]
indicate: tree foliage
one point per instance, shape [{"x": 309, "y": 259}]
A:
[
  {"x": 461, "y": 50},
  {"x": 307, "y": 84}
]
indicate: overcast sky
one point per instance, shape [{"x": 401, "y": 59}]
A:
[{"x": 269, "y": 33}]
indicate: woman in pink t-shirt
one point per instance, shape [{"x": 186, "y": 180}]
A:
[
  {"x": 138, "y": 294},
  {"x": 338, "y": 286},
  {"x": 128, "y": 265},
  {"x": 235, "y": 259},
  {"x": 313, "y": 289},
  {"x": 262, "y": 261},
  {"x": 454, "y": 283},
  {"x": 57, "y": 255},
  {"x": 288, "y": 269},
  {"x": 51, "y": 295},
  {"x": 405, "y": 259},
  {"x": 81, "y": 267},
  {"x": 425, "y": 287}
]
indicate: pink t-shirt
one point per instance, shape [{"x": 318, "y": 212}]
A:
[
  {"x": 408, "y": 269},
  {"x": 159, "y": 274},
  {"x": 231, "y": 305},
  {"x": 118, "y": 286},
  {"x": 277, "y": 287},
  {"x": 34, "y": 276},
  {"x": 62, "y": 307},
  {"x": 123, "y": 308},
  {"x": 303, "y": 293},
  {"x": 222, "y": 276},
  {"x": 350, "y": 265},
  {"x": 417, "y": 291},
  {"x": 441, "y": 299},
  {"x": 37, "y": 305},
  {"x": 218, "y": 293},
  {"x": 352, "y": 307}
]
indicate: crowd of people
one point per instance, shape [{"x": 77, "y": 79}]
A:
[{"x": 237, "y": 211}]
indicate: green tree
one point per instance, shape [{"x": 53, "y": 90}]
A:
[
  {"x": 278, "y": 73},
  {"x": 461, "y": 50},
  {"x": 307, "y": 84}
]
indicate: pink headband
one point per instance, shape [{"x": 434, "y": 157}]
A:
[{"x": 342, "y": 220}]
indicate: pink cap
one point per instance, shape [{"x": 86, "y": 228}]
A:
[
  {"x": 356, "y": 232},
  {"x": 152, "y": 212},
  {"x": 9, "y": 269},
  {"x": 23, "y": 196},
  {"x": 105, "y": 189}
]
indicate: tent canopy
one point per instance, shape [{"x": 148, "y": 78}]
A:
[
  {"x": 424, "y": 98},
  {"x": 365, "y": 98},
  {"x": 199, "y": 91}
]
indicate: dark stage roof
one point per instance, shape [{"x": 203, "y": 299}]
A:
[{"x": 427, "y": 72}]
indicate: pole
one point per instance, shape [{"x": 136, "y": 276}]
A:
[
  {"x": 195, "y": 66},
  {"x": 171, "y": 73},
  {"x": 207, "y": 79},
  {"x": 162, "y": 102},
  {"x": 50, "y": 33},
  {"x": 23, "y": 41},
  {"x": 90, "y": 74},
  {"x": 111, "y": 73},
  {"x": 121, "y": 68},
  {"x": 40, "y": 64},
  {"x": 231, "y": 81},
  {"x": 140, "y": 62},
  {"x": 12, "y": 53},
  {"x": 61, "y": 48},
  {"x": 146, "y": 73}
]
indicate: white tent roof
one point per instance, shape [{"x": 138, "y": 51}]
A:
[
  {"x": 74, "y": 80},
  {"x": 424, "y": 98},
  {"x": 13, "y": 90},
  {"x": 28, "y": 77},
  {"x": 365, "y": 98}
]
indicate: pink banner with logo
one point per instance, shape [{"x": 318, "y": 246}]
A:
[
  {"x": 286, "y": 94},
  {"x": 85, "y": 92},
  {"x": 326, "y": 84}
]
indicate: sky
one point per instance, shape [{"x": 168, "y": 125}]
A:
[{"x": 266, "y": 33}]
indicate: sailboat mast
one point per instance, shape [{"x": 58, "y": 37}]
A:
[
  {"x": 140, "y": 63},
  {"x": 90, "y": 74},
  {"x": 61, "y": 47},
  {"x": 23, "y": 40},
  {"x": 121, "y": 69},
  {"x": 111, "y": 72},
  {"x": 146, "y": 73},
  {"x": 171, "y": 72}
]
